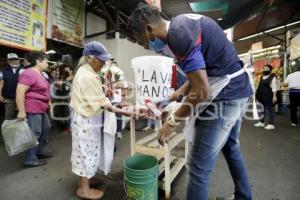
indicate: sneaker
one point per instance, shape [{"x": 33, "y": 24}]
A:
[
  {"x": 44, "y": 155},
  {"x": 119, "y": 135},
  {"x": 230, "y": 197},
  {"x": 37, "y": 163},
  {"x": 146, "y": 128},
  {"x": 259, "y": 124},
  {"x": 293, "y": 124},
  {"x": 270, "y": 127},
  {"x": 156, "y": 129}
]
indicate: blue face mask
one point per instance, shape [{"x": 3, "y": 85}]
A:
[{"x": 157, "y": 45}]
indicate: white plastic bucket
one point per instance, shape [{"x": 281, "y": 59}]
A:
[{"x": 153, "y": 76}]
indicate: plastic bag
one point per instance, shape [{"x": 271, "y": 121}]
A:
[{"x": 17, "y": 136}]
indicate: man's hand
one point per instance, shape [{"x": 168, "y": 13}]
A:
[
  {"x": 21, "y": 115},
  {"x": 163, "y": 103},
  {"x": 164, "y": 133},
  {"x": 2, "y": 99}
]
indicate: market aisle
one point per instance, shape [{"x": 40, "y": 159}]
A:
[{"x": 272, "y": 159}]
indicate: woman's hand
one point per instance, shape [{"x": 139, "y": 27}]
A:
[
  {"x": 132, "y": 114},
  {"x": 21, "y": 115}
]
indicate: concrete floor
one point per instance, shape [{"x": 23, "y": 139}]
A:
[{"x": 272, "y": 159}]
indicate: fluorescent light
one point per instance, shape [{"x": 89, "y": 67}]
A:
[
  {"x": 220, "y": 19},
  {"x": 251, "y": 36},
  {"x": 269, "y": 50},
  {"x": 50, "y": 52},
  {"x": 268, "y": 31}
]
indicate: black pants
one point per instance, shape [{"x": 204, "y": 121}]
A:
[
  {"x": 267, "y": 109},
  {"x": 294, "y": 104}
]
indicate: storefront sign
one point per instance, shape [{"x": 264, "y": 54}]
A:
[
  {"x": 67, "y": 21},
  {"x": 23, "y": 24}
]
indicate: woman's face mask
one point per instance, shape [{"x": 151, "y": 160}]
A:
[{"x": 266, "y": 72}]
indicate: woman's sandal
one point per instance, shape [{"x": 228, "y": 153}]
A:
[{"x": 92, "y": 194}]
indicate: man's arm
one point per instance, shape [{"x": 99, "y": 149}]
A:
[
  {"x": 180, "y": 92},
  {"x": 1, "y": 87},
  {"x": 20, "y": 100},
  {"x": 198, "y": 91}
]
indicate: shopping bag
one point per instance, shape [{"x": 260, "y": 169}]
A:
[{"x": 17, "y": 136}]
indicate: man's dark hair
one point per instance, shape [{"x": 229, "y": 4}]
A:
[
  {"x": 142, "y": 15},
  {"x": 36, "y": 55}
]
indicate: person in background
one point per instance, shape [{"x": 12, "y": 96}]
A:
[
  {"x": 150, "y": 123},
  {"x": 266, "y": 95},
  {"x": 26, "y": 61},
  {"x": 117, "y": 89},
  {"x": 88, "y": 102},
  {"x": 279, "y": 107},
  {"x": 292, "y": 81},
  {"x": 8, "y": 85},
  {"x": 54, "y": 74},
  {"x": 33, "y": 95},
  {"x": 64, "y": 89}
]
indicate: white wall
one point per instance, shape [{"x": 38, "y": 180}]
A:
[
  {"x": 95, "y": 24},
  {"x": 121, "y": 49},
  {"x": 127, "y": 50}
]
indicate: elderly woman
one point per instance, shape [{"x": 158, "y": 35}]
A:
[
  {"x": 88, "y": 102},
  {"x": 32, "y": 100}
]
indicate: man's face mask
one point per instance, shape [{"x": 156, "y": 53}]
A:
[
  {"x": 156, "y": 45},
  {"x": 14, "y": 63},
  {"x": 14, "y": 66},
  {"x": 167, "y": 52}
]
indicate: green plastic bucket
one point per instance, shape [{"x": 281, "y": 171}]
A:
[{"x": 140, "y": 175}]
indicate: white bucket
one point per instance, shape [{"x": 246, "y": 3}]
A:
[{"x": 153, "y": 76}]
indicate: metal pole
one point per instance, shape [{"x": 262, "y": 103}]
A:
[
  {"x": 85, "y": 19},
  {"x": 285, "y": 65}
]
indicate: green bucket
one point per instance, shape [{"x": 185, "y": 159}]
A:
[{"x": 140, "y": 175}]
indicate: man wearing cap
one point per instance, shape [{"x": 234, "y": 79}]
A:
[{"x": 8, "y": 84}]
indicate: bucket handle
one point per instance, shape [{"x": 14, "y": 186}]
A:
[{"x": 124, "y": 185}]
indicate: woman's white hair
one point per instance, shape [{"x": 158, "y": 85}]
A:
[{"x": 85, "y": 59}]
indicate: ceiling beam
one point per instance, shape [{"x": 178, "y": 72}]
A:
[
  {"x": 106, "y": 13},
  {"x": 99, "y": 33},
  {"x": 271, "y": 19}
]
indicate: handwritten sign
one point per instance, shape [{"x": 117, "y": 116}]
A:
[{"x": 152, "y": 78}]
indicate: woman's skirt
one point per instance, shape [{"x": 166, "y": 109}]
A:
[{"x": 86, "y": 140}]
